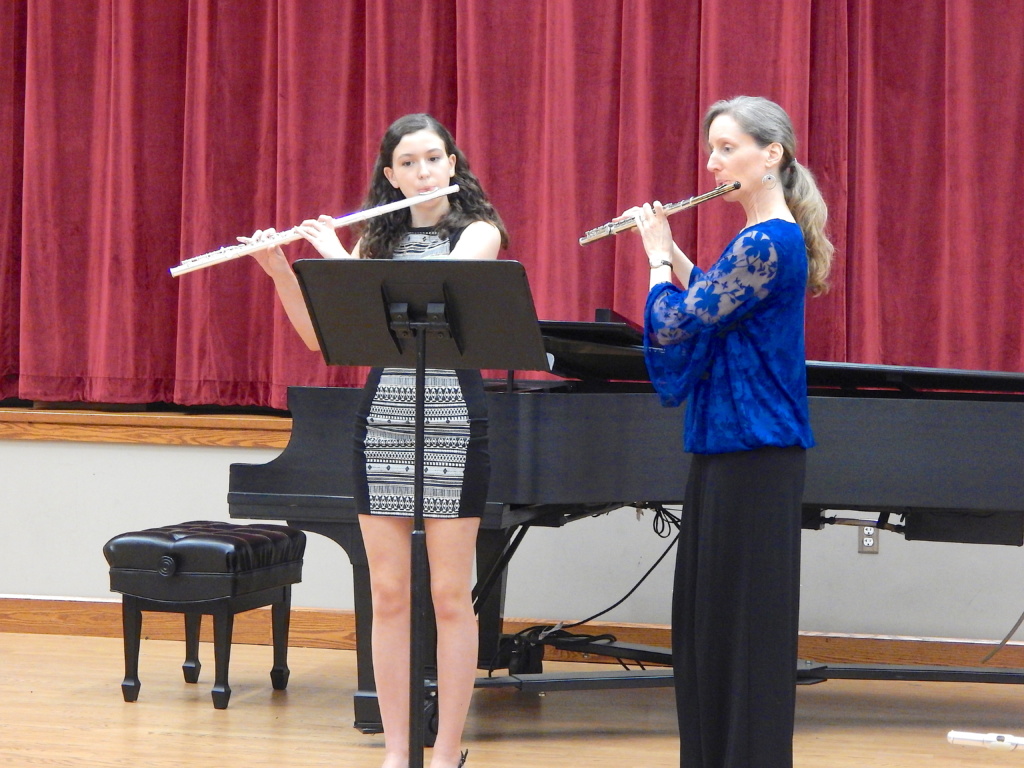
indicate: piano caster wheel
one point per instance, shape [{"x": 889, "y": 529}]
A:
[{"x": 430, "y": 719}]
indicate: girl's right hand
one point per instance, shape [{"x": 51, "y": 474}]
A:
[{"x": 271, "y": 258}]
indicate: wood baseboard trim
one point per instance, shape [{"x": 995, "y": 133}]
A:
[
  {"x": 334, "y": 629},
  {"x": 147, "y": 428},
  {"x": 310, "y": 628}
]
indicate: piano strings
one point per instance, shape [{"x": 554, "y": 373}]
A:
[{"x": 229, "y": 252}]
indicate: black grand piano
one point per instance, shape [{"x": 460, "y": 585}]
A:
[{"x": 932, "y": 454}]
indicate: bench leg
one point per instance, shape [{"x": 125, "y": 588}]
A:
[
  {"x": 281, "y": 617},
  {"x": 223, "y": 623},
  {"x": 131, "y": 622},
  {"x": 191, "y": 667}
]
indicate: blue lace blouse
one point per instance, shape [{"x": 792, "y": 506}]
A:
[{"x": 732, "y": 344}]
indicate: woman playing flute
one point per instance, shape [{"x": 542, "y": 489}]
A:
[{"x": 731, "y": 343}]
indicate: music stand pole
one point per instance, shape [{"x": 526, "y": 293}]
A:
[
  {"x": 418, "y": 566},
  {"x": 436, "y": 324}
]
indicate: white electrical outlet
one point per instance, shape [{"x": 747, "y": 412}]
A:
[{"x": 867, "y": 544}]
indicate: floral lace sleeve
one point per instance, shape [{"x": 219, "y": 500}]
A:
[
  {"x": 741, "y": 278},
  {"x": 675, "y": 349}
]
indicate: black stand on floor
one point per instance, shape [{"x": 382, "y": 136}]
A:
[{"x": 477, "y": 314}]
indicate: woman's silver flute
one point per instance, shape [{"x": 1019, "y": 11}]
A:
[
  {"x": 229, "y": 252},
  {"x": 614, "y": 227}
]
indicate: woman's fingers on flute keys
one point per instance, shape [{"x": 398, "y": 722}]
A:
[
  {"x": 630, "y": 213},
  {"x": 650, "y": 212},
  {"x": 654, "y": 229}
]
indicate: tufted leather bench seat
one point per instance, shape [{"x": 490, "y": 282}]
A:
[{"x": 201, "y": 568}]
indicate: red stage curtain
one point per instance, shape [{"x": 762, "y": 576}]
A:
[
  {"x": 12, "y": 119},
  {"x": 102, "y": 199},
  {"x": 139, "y": 134},
  {"x": 937, "y": 120}
]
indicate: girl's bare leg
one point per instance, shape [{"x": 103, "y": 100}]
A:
[
  {"x": 451, "y": 550},
  {"x": 388, "y": 551}
]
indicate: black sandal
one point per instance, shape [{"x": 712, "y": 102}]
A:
[{"x": 462, "y": 760}]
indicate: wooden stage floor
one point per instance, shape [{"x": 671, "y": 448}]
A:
[{"x": 61, "y": 705}]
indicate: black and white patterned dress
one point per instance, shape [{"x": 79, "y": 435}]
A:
[{"x": 456, "y": 461}]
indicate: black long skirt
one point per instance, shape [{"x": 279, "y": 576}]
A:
[{"x": 735, "y": 609}]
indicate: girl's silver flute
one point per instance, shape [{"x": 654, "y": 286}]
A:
[{"x": 229, "y": 252}]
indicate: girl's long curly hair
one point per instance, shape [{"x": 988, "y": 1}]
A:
[{"x": 382, "y": 234}]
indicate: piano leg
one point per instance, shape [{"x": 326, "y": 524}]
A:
[
  {"x": 491, "y": 546},
  {"x": 348, "y": 537}
]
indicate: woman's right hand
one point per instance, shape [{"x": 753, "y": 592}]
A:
[{"x": 653, "y": 227}]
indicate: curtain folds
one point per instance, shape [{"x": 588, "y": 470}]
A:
[
  {"x": 12, "y": 142},
  {"x": 101, "y": 200},
  {"x": 137, "y": 134}
]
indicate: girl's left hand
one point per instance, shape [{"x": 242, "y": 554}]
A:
[{"x": 321, "y": 233}]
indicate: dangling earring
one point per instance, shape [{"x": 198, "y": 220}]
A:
[{"x": 769, "y": 181}]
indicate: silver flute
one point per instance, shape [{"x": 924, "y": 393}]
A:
[
  {"x": 621, "y": 225},
  {"x": 229, "y": 252}
]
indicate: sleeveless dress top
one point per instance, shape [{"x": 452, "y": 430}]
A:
[{"x": 456, "y": 461}]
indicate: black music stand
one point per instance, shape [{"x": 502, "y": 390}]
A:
[{"x": 477, "y": 314}]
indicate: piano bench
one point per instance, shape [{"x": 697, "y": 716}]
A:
[{"x": 205, "y": 567}]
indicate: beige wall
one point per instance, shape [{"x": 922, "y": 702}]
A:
[{"x": 61, "y": 501}]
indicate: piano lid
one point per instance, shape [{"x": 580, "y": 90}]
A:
[{"x": 907, "y": 381}]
